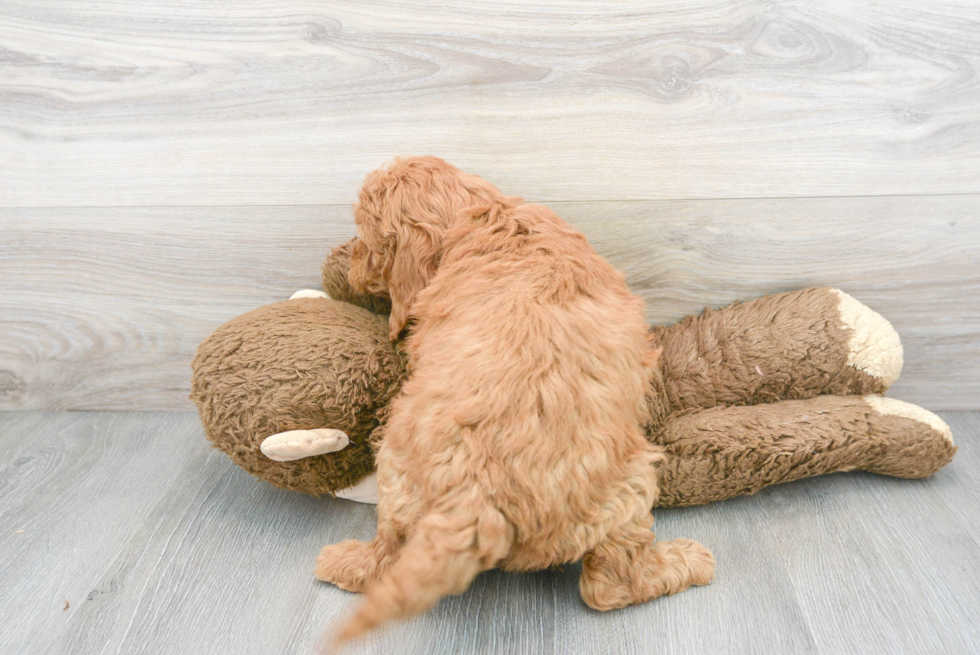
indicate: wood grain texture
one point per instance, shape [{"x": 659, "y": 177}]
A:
[
  {"x": 76, "y": 489},
  {"x": 881, "y": 565},
  {"x": 961, "y": 485},
  {"x": 916, "y": 261},
  {"x": 103, "y": 308},
  {"x": 140, "y": 103},
  {"x": 160, "y": 545},
  {"x": 751, "y": 607},
  {"x": 94, "y": 302}
]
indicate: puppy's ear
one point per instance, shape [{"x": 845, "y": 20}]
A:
[{"x": 413, "y": 265}]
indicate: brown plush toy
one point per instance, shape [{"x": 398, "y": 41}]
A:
[{"x": 773, "y": 390}]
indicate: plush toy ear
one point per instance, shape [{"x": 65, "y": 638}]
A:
[
  {"x": 336, "y": 281},
  {"x": 299, "y": 444},
  {"x": 412, "y": 266}
]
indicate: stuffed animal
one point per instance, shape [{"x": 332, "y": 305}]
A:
[
  {"x": 295, "y": 392},
  {"x": 777, "y": 389}
]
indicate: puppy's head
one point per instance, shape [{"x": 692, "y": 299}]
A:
[{"x": 403, "y": 212}]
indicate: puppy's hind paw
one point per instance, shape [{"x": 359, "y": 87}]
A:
[
  {"x": 693, "y": 563},
  {"x": 635, "y": 568},
  {"x": 348, "y": 565}
]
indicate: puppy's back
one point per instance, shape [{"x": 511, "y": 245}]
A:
[{"x": 530, "y": 354}]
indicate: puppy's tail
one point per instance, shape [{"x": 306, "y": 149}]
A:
[{"x": 442, "y": 557}]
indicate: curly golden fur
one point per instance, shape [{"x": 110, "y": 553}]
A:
[{"x": 516, "y": 441}]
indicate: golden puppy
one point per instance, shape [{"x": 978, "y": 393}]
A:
[{"x": 516, "y": 441}]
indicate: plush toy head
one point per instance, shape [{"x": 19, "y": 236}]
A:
[{"x": 299, "y": 365}]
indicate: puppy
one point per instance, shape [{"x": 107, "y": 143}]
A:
[{"x": 516, "y": 441}]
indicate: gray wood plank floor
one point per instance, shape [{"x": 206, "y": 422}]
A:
[{"x": 123, "y": 532}]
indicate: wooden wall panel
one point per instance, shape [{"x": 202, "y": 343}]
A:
[
  {"x": 122, "y": 103},
  {"x": 103, "y": 308}
]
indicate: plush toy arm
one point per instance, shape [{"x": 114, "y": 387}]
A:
[
  {"x": 786, "y": 346},
  {"x": 722, "y": 452},
  {"x": 337, "y": 286}
]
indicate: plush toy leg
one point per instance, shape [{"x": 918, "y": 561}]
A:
[
  {"x": 632, "y": 568},
  {"x": 786, "y": 346},
  {"x": 722, "y": 452}
]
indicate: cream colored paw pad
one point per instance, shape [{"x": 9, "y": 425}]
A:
[
  {"x": 874, "y": 346},
  {"x": 297, "y": 444},
  {"x": 892, "y": 407}
]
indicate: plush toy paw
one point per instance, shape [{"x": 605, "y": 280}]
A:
[
  {"x": 874, "y": 346},
  {"x": 297, "y": 444},
  {"x": 900, "y": 409},
  {"x": 308, "y": 293},
  {"x": 917, "y": 443},
  {"x": 365, "y": 491}
]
